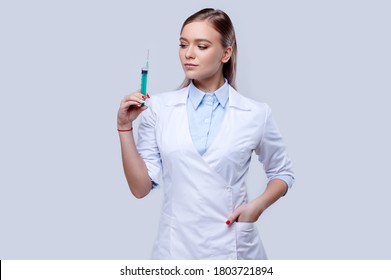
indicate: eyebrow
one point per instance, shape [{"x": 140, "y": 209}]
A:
[{"x": 196, "y": 40}]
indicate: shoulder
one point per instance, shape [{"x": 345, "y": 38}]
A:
[{"x": 245, "y": 103}]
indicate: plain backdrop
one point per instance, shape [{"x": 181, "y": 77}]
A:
[{"x": 323, "y": 66}]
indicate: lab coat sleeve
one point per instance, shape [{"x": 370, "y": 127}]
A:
[
  {"x": 147, "y": 145},
  {"x": 272, "y": 152}
]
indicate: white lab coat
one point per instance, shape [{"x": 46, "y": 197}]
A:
[{"x": 201, "y": 192}]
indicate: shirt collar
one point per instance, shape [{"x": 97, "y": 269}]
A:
[
  {"x": 236, "y": 100},
  {"x": 196, "y": 95}
]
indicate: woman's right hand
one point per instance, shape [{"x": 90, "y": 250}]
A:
[{"x": 129, "y": 109}]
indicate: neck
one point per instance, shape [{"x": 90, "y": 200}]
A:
[{"x": 209, "y": 85}]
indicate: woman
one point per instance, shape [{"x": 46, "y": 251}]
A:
[{"x": 197, "y": 143}]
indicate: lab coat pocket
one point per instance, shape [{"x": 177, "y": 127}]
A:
[{"x": 248, "y": 242}]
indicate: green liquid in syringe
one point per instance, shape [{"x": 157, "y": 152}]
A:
[{"x": 144, "y": 79}]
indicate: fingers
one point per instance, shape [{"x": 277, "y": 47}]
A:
[
  {"x": 234, "y": 216},
  {"x": 134, "y": 99},
  {"x": 126, "y": 104},
  {"x": 131, "y": 107}
]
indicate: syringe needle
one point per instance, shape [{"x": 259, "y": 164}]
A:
[{"x": 147, "y": 58}]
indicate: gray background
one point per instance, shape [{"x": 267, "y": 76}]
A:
[{"x": 323, "y": 66}]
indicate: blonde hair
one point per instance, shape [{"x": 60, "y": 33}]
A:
[{"x": 221, "y": 22}]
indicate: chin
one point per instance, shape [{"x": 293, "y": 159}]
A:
[
  {"x": 194, "y": 76},
  {"x": 191, "y": 77}
]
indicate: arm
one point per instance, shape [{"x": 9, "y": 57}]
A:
[
  {"x": 134, "y": 166},
  {"x": 251, "y": 211},
  {"x": 135, "y": 170}
]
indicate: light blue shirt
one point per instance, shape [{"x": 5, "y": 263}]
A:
[{"x": 206, "y": 113}]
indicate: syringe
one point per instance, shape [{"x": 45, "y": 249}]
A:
[{"x": 144, "y": 78}]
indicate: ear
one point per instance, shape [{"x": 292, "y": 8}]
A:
[{"x": 227, "y": 55}]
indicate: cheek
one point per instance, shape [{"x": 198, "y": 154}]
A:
[
  {"x": 180, "y": 54},
  {"x": 213, "y": 59}
]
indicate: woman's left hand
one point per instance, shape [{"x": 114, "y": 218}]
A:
[
  {"x": 245, "y": 213},
  {"x": 250, "y": 212}
]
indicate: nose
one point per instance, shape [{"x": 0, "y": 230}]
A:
[{"x": 189, "y": 52}]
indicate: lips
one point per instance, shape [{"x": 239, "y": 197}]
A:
[{"x": 190, "y": 66}]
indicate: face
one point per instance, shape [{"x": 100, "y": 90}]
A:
[{"x": 201, "y": 53}]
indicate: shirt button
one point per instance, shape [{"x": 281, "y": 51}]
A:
[
  {"x": 228, "y": 189},
  {"x": 206, "y": 120}
]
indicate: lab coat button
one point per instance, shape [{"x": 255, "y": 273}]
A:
[{"x": 228, "y": 188}]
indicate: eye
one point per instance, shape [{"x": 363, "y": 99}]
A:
[
  {"x": 202, "y": 47},
  {"x": 182, "y": 46}
]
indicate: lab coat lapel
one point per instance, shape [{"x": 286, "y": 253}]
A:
[
  {"x": 235, "y": 102},
  {"x": 180, "y": 123},
  {"x": 214, "y": 155}
]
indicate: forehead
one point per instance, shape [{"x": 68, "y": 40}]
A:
[{"x": 200, "y": 30}]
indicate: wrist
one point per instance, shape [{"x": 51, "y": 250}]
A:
[
  {"x": 128, "y": 126},
  {"x": 124, "y": 130},
  {"x": 258, "y": 205}
]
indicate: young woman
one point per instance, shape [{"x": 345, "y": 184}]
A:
[{"x": 197, "y": 144}]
